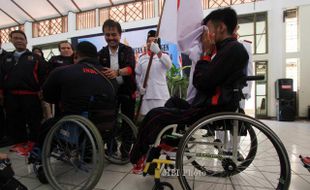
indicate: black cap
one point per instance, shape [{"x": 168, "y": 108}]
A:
[
  {"x": 151, "y": 33},
  {"x": 86, "y": 49}
]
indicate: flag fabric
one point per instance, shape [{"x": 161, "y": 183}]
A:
[{"x": 180, "y": 23}]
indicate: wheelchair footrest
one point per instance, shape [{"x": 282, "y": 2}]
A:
[{"x": 171, "y": 140}]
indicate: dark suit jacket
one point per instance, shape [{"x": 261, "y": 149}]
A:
[{"x": 125, "y": 58}]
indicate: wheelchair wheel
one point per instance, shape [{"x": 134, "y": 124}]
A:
[
  {"x": 72, "y": 154},
  {"x": 248, "y": 154},
  {"x": 265, "y": 165},
  {"x": 162, "y": 186},
  {"x": 120, "y": 143}
]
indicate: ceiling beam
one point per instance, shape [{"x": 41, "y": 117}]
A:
[
  {"x": 7, "y": 14},
  {"x": 23, "y": 10},
  {"x": 54, "y": 7},
  {"x": 111, "y": 2},
  {"x": 76, "y": 6},
  {"x": 128, "y": 2}
]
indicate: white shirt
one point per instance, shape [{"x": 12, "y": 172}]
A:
[
  {"x": 247, "y": 89},
  {"x": 115, "y": 65},
  {"x": 157, "y": 87}
]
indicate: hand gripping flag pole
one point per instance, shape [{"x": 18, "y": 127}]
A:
[{"x": 149, "y": 65}]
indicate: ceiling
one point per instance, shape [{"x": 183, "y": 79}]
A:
[{"x": 15, "y": 12}]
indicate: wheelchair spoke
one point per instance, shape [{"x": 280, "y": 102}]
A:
[
  {"x": 73, "y": 154},
  {"x": 261, "y": 161}
]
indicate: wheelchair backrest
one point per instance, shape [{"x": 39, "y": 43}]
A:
[{"x": 102, "y": 111}]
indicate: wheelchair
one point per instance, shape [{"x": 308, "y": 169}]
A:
[
  {"x": 73, "y": 152},
  {"x": 205, "y": 162}
]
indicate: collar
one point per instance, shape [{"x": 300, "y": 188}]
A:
[
  {"x": 149, "y": 52},
  {"x": 19, "y": 53},
  {"x": 221, "y": 44},
  {"x": 89, "y": 60},
  {"x": 110, "y": 52}
]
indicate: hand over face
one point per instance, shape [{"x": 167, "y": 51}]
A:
[
  {"x": 154, "y": 48},
  {"x": 208, "y": 41}
]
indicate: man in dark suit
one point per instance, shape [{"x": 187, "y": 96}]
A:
[
  {"x": 3, "y": 128},
  {"x": 119, "y": 62},
  {"x": 21, "y": 77}
]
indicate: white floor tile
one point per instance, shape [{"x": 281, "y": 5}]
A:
[
  {"x": 298, "y": 183},
  {"x": 294, "y": 135},
  {"x": 110, "y": 179}
]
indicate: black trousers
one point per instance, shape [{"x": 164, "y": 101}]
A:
[
  {"x": 158, "y": 118},
  {"x": 127, "y": 106},
  {"x": 3, "y": 127},
  {"x": 23, "y": 111}
]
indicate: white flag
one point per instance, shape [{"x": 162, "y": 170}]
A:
[{"x": 180, "y": 21}]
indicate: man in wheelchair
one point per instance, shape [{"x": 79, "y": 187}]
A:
[
  {"x": 80, "y": 90},
  {"x": 213, "y": 78}
]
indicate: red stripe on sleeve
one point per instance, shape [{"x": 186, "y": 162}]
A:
[{"x": 215, "y": 98}]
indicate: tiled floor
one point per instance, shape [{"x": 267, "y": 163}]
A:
[{"x": 294, "y": 135}]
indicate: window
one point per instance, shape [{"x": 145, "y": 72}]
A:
[
  {"x": 261, "y": 92},
  {"x": 292, "y": 71},
  {"x": 291, "y": 30},
  {"x": 253, "y": 27}
]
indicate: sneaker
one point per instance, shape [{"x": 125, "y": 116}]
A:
[
  {"x": 17, "y": 147},
  {"x": 240, "y": 157},
  {"x": 138, "y": 168},
  {"x": 23, "y": 149},
  {"x": 209, "y": 134},
  {"x": 110, "y": 153}
]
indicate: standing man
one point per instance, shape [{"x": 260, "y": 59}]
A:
[
  {"x": 119, "y": 62},
  {"x": 22, "y": 74},
  {"x": 3, "y": 127},
  {"x": 156, "y": 92},
  {"x": 65, "y": 57}
]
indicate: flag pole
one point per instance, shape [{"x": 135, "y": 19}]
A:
[{"x": 149, "y": 64}]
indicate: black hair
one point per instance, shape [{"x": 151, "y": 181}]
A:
[
  {"x": 86, "y": 49},
  {"x": 112, "y": 24},
  {"x": 227, "y": 15},
  {"x": 37, "y": 48},
  {"x": 152, "y": 33},
  {"x": 18, "y": 32},
  {"x": 64, "y": 42}
]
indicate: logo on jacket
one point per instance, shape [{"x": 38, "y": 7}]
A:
[{"x": 9, "y": 59}]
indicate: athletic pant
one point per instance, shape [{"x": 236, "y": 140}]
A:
[{"x": 24, "y": 112}]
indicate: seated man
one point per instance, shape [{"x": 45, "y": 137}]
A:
[
  {"x": 74, "y": 86},
  {"x": 213, "y": 80}
]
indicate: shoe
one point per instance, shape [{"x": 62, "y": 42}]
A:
[
  {"x": 208, "y": 134},
  {"x": 138, "y": 168},
  {"x": 240, "y": 157},
  {"x": 109, "y": 153},
  {"x": 23, "y": 149}
]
